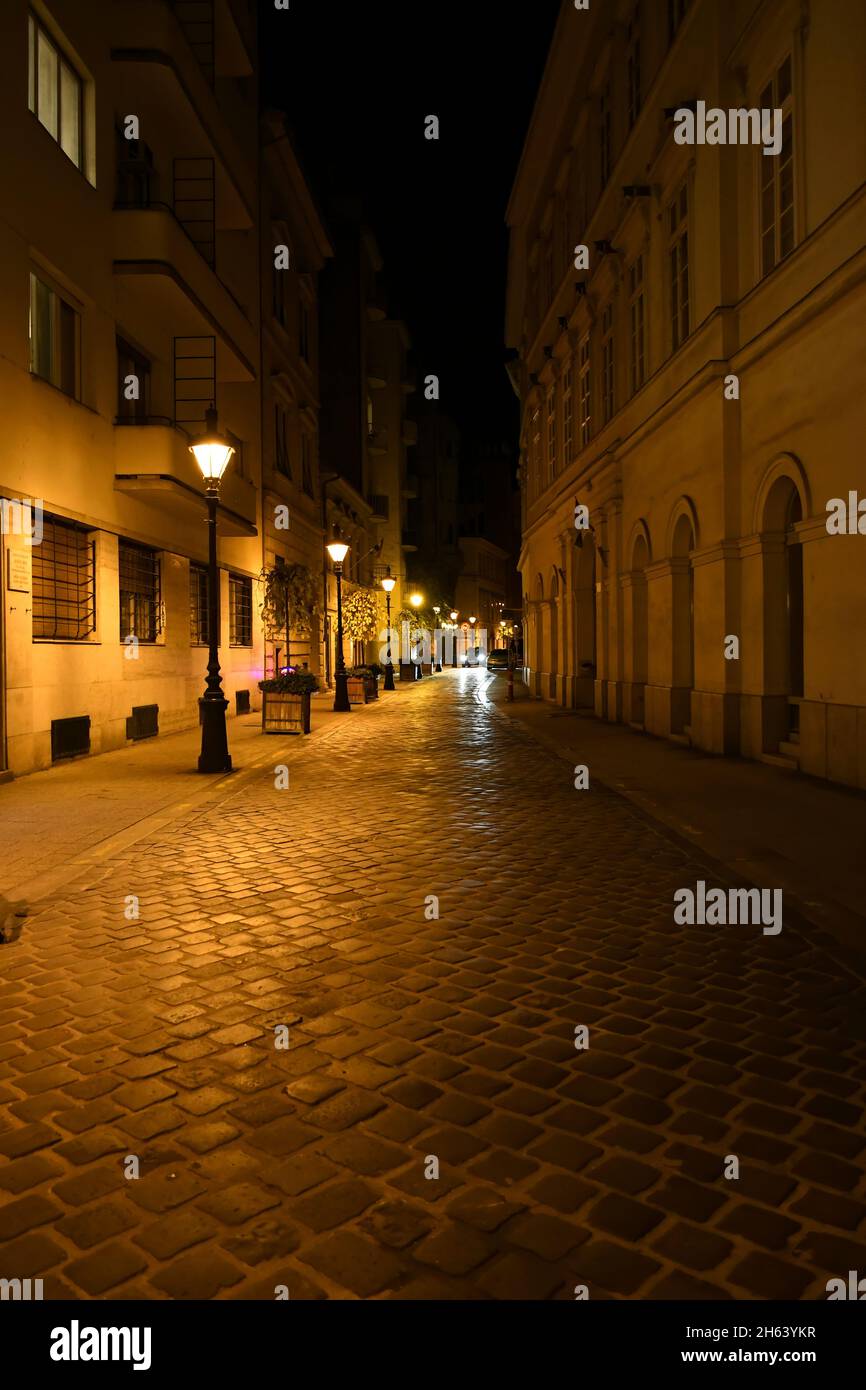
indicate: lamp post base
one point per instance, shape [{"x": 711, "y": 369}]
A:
[
  {"x": 389, "y": 677},
  {"x": 214, "y": 755},
  {"x": 341, "y": 693}
]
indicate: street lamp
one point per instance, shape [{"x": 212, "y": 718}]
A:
[
  {"x": 388, "y": 585},
  {"x": 416, "y": 600},
  {"x": 338, "y": 551},
  {"x": 473, "y": 620},
  {"x": 437, "y": 610},
  {"x": 212, "y": 453}
]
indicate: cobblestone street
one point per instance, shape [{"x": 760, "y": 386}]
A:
[{"x": 413, "y": 1038}]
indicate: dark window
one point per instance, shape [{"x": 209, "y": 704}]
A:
[
  {"x": 139, "y": 592},
  {"x": 133, "y": 384},
  {"x": 678, "y": 267},
  {"x": 53, "y": 337},
  {"x": 199, "y": 615},
  {"x": 240, "y": 611},
  {"x": 64, "y": 591},
  {"x": 777, "y": 176},
  {"x": 281, "y": 442},
  {"x": 55, "y": 92},
  {"x": 606, "y": 144},
  {"x": 676, "y": 14},
  {"x": 633, "y": 81},
  {"x": 307, "y": 464}
]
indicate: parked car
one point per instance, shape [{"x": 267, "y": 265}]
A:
[
  {"x": 471, "y": 657},
  {"x": 497, "y": 659}
]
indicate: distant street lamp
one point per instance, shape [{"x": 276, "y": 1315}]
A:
[
  {"x": 338, "y": 551},
  {"x": 388, "y": 585},
  {"x": 416, "y": 600},
  {"x": 454, "y": 616},
  {"x": 437, "y": 610},
  {"x": 473, "y": 620},
  {"x": 212, "y": 453}
]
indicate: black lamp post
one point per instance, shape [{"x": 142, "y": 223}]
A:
[
  {"x": 437, "y": 647},
  {"x": 338, "y": 551},
  {"x": 388, "y": 585},
  {"x": 212, "y": 453}
]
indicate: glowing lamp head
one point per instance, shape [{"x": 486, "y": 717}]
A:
[
  {"x": 472, "y": 619},
  {"x": 388, "y": 584},
  {"x": 416, "y": 600},
  {"x": 436, "y": 609},
  {"x": 338, "y": 550},
  {"x": 211, "y": 451},
  {"x": 454, "y": 616}
]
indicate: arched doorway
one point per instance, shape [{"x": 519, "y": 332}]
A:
[
  {"x": 682, "y": 624},
  {"x": 640, "y": 628},
  {"x": 584, "y": 620},
  {"x": 784, "y": 667}
]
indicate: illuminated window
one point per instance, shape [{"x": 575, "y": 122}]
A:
[
  {"x": 55, "y": 92},
  {"x": 54, "y": 337},
  {"x": 567, "y": 415}
]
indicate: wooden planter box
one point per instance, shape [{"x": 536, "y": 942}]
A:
[
  {"x": 355, "y": 687},
  {"x": 409, "y": 671},
  {"x": 371, "y": 688},
  {"x": 285, "y": 714}
]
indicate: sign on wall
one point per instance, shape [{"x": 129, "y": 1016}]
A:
[{"x": 18, "y": 570}]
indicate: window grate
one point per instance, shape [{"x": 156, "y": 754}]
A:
[
  {"x": 140, "y": 604},
  {"x": 199, "y": 612},
  {"x": 240, "y": 611},
  {"x": 64, "y": 587}
]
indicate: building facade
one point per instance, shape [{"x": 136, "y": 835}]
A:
[
  {"x": 686, "y": 322},
  {"x": 295, "y": 247},
  {"x": 130, "y": 287}
]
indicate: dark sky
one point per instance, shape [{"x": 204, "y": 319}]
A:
[{"x": 356, "y": 81}]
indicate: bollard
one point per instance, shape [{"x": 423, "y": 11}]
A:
[{"x": 510, "y": 696}]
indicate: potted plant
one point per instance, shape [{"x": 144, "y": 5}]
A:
[
  {"x": 369, "y": 676},
  {"x": 286, "y": 702},
  {"x": 360, "y": 614},
  {"x": 289, "y": 601}
]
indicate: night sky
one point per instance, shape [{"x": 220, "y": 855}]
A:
[{"x": 356, "y": 82}]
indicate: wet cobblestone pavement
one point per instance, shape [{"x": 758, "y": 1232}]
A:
[{"x": 414, "y": 1038}]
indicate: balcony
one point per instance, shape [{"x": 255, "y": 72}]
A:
[
  {"x": 408, "y": 541},
  {"x": 377, "y": 377},
  {"x": 162, "y": 278},
  {"x": 376, "y": 310},
  {"x": 177, "y": 70},
  {"x": 381, "y": 505},
  {"x": 410, "y": 486},
  {"x": 409, "y": 383},
  {"x": 410, "y": 433},
  {"x": 153, "y": 461}
]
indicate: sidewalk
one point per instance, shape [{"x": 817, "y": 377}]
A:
[
  {"x": 772, "y": 828},
  {"x": 57, "y": 822}
]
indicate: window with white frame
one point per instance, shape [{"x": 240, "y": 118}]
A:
[
  {"x": 777, "y": 174},
  {"x": 567, "y": 416},
  {"x": 607, "y": 364},
  {"x": 551, "y": 434},
  {"x": 55, "y": 336},
  {"x": 637, "y": 323},
  {"x": 55, "y": 91},
  {"x": 584, "y": 391},
  {"x": 678, "y": 266},
  {"x": 535, "y": 437}
]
